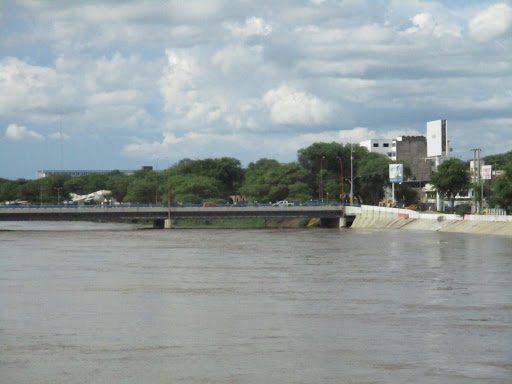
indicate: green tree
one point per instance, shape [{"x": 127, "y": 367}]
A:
[
  {"x": 226, "y": 171},
  {"x": 117, "y": 183},
  {"x": 498, "y": 161},
  {"x": 141, "y": 191},
  {"x": 451, "y": 178},
  {"x": 373, "y": 177},
  {"x": 10, "y": 190},
  {"x": 324, "y": 161},
  {"x": 503, "y": 189},
  {"x": 268, "y": 180},
  {"x": 198, "y": 189}
]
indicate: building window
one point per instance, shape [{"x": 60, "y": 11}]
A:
[
  {"x": 390, "y": 154},
  {"x": 375, "y": 145},
  {"x": 386, "y": 145},
  {"x": 394, "y": 144}
]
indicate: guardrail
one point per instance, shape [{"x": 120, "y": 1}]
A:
[{"x": 90, "y": 206}]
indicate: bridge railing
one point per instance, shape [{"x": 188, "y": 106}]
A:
[{"x": 173, "y": 205}]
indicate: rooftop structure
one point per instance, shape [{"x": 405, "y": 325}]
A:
[
  {"x": 45, "y": 173},
  {"x": 386, "y": 147}
]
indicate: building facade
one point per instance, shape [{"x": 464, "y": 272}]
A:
[
  {"x": 412, "y": 150},
  {"x": 386, "y": 147},
  {"x": 45, "y": 173}
]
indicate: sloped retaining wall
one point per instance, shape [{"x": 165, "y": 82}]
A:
[{"x": 394, "y": 218}]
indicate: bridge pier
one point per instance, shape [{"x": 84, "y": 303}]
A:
[
  {"x": 158, "y": 223},
  {"x": 168, "y": 224}
]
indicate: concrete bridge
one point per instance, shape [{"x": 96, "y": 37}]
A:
[{"x": 329, "y": 215}]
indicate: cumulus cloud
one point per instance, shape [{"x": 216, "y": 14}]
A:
[
  {"x": 20, "y": 133},
  {"x": 491, "y": 23},
  {"x": 426, "y": 24},
  {"x": 191, "y": 145},
  {"x": 290, "y": 106},
  {"x": 25, "y": 86},
  {"x": 238, "y": 57},
  {"x": 254, "y": 26}
]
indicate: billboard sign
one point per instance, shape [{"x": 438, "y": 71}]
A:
[
  {"x": 396, "y": 173},
  {"x": 486, "y": 172},
  {"x": 437, "y": 140}
]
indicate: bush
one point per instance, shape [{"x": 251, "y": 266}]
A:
[{"x": 463, "y": 209}]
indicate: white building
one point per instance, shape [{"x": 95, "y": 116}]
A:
[{"x": 386, "y": 147}]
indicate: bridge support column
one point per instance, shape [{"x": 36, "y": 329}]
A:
[
  {"x": 158, "y": 223},
  {"x": 343, "y": 222},
  {"x": 168, "y": 224}
]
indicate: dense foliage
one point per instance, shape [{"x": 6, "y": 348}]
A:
[
  {"x": 322, "y": 172},
  {"x": 451, "y": 178},
  {"x": 503, "y": 189}
]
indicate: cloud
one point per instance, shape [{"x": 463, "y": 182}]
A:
[
  {"x": 237, "y": 57},
  {"x": 491, "y": 23},
  {"x": 289, "y": 106},
  {"x": 254, "y": 26},
  {"x": 20, "y": 133},
  {"x": 25, "y": 87},
  {"x": 59, "y": 136},
  {"x": 424, "y": 23}
]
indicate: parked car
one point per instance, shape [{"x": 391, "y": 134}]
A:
[{"x": 210, "y": 205}]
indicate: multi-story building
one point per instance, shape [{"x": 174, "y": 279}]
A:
[
  {"x": 411, "y": 150},
  {"x": 386, "y": 147},
  {"x": 46, "y": 173}
]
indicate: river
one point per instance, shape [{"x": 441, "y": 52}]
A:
[{"x": 108, "y": 303}]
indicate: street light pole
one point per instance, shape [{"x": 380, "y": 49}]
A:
[
  {"x": 58, "y": 195},
  {"x": 351, "y": 175},
  {"x": 341, "y": 179},
  {"x": 322, "y": 179},
  {"x": 156, "y": 189}
]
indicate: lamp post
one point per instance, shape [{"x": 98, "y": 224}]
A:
[
  {"x": 351, "y": 175},
  {"x": 322, "y": 179},
  {"x": 341, "y": 179},
  {"x": 58, "y": 195},
  {"x": 156, "y": 189}
]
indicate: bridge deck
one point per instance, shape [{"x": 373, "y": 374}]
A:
[{"x": 135, "y": 212}]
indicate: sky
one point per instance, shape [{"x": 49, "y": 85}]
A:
[{"x": 99, "y": 85}]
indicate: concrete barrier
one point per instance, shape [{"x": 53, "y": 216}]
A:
[{"x": 395, "y": 218}]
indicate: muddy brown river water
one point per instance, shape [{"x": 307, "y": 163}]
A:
[{"x": 98, "y": 303}]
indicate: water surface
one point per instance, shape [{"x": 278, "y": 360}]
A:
[{"x": 110, "y": 304}]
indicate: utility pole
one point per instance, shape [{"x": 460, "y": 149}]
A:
[
  {"x": 480, "y": 183},
  {"x": 322, "y": 179},
  {"x": 342, "y": 196},
  {"x": 476, "y": 179},
  {"x": 168, "y": 223}
]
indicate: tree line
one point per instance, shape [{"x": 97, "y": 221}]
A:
[{"x": 322, "y": 172}]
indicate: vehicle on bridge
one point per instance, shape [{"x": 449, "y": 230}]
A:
[{"x": 283, "y": 203}]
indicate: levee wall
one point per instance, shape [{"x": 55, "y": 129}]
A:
[{"x": 396, "y": 218}]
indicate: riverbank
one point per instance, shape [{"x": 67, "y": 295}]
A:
[
  {"x": 440, "y": 223},
  {"x": 249, "y": 223}
]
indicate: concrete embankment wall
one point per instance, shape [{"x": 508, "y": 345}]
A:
[{"x": 393, "y": 218}]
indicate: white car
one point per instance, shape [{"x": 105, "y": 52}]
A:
[{"x": 282, "y": 203}]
